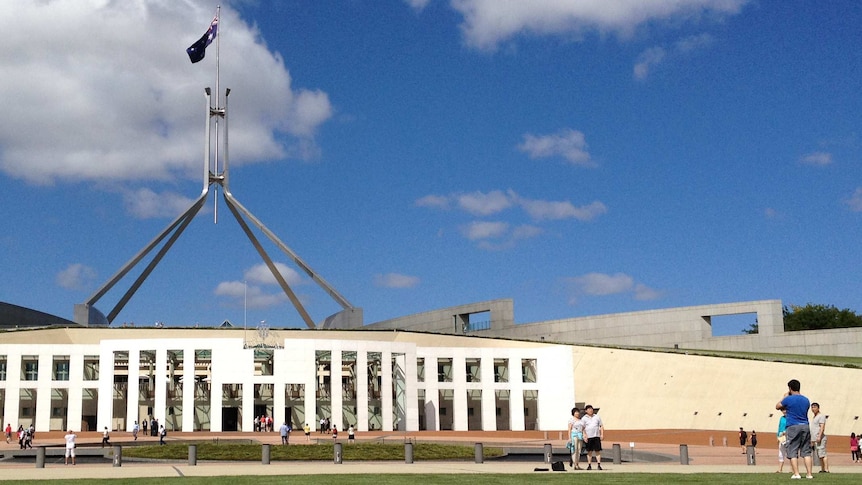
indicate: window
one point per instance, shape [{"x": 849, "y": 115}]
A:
[
  {"x": 61, "y": 368},
  {"x": 91, "y": 367},
  {"x": 420, "y": 369},
  {"x": 2, "y": 368},
  {"x": 30, "y": 368}
]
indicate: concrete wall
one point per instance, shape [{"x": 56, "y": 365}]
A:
[{"x": 683, "y": 327}]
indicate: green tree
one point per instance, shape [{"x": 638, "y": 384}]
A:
[{"x": 817, "y": 317}]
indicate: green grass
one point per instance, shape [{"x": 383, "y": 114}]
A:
[
  {"x": 566, "y": 478},
  {"x": 354, "y": 452}
]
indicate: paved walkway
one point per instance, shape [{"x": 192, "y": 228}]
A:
[{"x": 703, "y": 458}]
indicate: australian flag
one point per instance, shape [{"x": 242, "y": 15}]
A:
[{"x": 197, "y": 50}]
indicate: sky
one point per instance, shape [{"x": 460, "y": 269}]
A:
[{"x": 581, "y": 158}]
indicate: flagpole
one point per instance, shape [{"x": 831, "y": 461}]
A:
[{"x": 218, "y": 107}]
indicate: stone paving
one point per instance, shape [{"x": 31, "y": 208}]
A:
[{"x": 703, "y": 458}]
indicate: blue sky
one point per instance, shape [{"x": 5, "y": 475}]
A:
[{"x": 579, "y": 157}]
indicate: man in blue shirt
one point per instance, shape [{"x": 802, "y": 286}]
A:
[{"x": 797, "y": 431}]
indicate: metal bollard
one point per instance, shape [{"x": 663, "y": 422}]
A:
[
  {"x": 750, "y": 455},
  {"x": 265, "y": 454},
  {"x": 683, "y": 454},
  {"x": 337, "y": 452},
  {"x": 408, "y": 452},
  {"x": 193, "y": 455},
  {"x": 711, "y": 441},
  {"x": 617, "y": 454},
  {"x": 479, "y": 453},
  {"x": 549, "y": 453},
  {"x": 815, "y": 460},
  {"x": 118, "y": 455},
  {"x": 40, "y": 457}
]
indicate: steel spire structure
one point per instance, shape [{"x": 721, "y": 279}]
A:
[{"x": 216, "y": 173}]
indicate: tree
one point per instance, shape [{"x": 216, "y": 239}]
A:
[
  {"x": 814, "y": 317},
  {"x": 818, "y": 317}
]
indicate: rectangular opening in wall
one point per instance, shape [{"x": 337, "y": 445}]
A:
[
  {"x": 2, "y": 367},
  {"x": 501, "y": 370},
  {"x": 420, "y": 369},
  {"x": 528, "y": 370},
  {"x": 61, "y": 368},
  {"x": 444, "y": 369},
  {"x": 91, "y": 367},
  {"x": 30, "y": 368},
  {"x": 473, "y": 370},
  {"x": 738, "y": 324}
]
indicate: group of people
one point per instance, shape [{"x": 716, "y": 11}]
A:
[
  {"x": 585, "y": 432},
  {"x": 744, "y": 439},
  {"x": 799, "y": 437},
  {"x": 263, "y": 424},
  {"x": 25, "y": 435}
]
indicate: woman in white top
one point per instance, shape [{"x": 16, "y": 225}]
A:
[{"x": 576, "y": 438}]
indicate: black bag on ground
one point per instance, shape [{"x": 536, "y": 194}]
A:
[{"x": 558, "y": 466}]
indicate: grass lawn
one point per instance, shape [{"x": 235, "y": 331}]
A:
[
  {"x": 354, "y": 452},
  {"x": 540, "y": 477}
]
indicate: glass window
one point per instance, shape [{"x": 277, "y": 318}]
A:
[
  {"x": 30, "y": 368},
  {"x": 61, "y": 368},
  {"x": 2, "y": 368}
]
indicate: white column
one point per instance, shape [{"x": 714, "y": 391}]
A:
[
  {"x": 459, "y": 396},
  {"x": 160, "y": 375},
  {"x": 105, "y": 415},
  {"x": 43, "y": 391},
  {"x": 335, "y": 398},
  {"x": 132, "y": 406},
  {"x": 76, "y": 380},
  {"x": 489, "y": 407},
  {"x": 188, "y": 389},
  {"x": 362, "y": 389},
  {"x": 386, "y": 390}
]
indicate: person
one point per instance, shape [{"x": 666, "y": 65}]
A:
[
  {"x": 854, "y": 448},
  {"x": 743, "y": 439},
  {"x": 782, "y": 440},
  {"x": 307, "y": 430},
  {"x": 144, "y": 426},
  {"x": 162, "y": 433},
  {"x": 322, "y": 425},
  {"x": 8, "y": 433},
  {"x": 106, "y": 437},
  {"x": 285, "y": 433},
  {"x": 818, "y": 436},
  {"x": 135, "y": 430},
  {"x": 154, "y": 426},
  {"x": 754, "y": 440},
  {"x": 70, "y": 447},
  {"x": 334, "y": 432},
  {"x": 797, "y": 431},
  {"x": 594, "y": 431},
  {"x": 21, "y": 436},
  {"x": 576, "y": 438},
  {"x": 351, "y": 434},
  {"x": 257, "y": 424}
]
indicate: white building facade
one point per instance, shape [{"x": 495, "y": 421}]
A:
[{"x": 216, "y": 380}]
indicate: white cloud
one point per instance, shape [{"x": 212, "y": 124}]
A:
[
  {"x": 438, "y": 201},
  {"x": 260, "y": 274},
  {"x": 418, "y": 5},
  {"x": 554, "y": 210},
  {"x": 396, "y": 280},
  {"x": 481, "y": 204},
  {"x": 644, "y": 292},
  {"x": 146, "y": 204},
  {"x": 569, "y": 144},
  {"x": 817, "y": 159},
  {"x": 654, "y": 56},
  {"x": 601, "y": 284},
  {"x": 252, "y": 296},
  {"x": 487, "y": 23},
  {"x": 855, "y": 201},
  {"x": 105, "y": 91},
  {"x": 646, "y": 60},
  {"x": 484, "y": 230},
  {"x": 76, "y": 277}
]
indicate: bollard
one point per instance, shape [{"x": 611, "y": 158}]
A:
[
  {"x": 40, "y": 457},
  {"x": 337, "y": 451},
  {"x": 618, "y": 454},
  {"x": 118, "y": 455},
  {"x": 815, "y": 460},
  {"x": 724, "y": 440},
  {"x": 749, "y": 454},
  {"x": 193, "y": 455},
  {"x": 478, "y": 453},
  {"x": 265, "y": 454},
  {"x": 408, "y": 452},
  {"x": 711, "y": 441},
  {"x": 683, "y": 454},
  {"x": 549, "y": 453}
]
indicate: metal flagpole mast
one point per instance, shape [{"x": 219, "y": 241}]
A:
[{"x": 217, "y": 109}]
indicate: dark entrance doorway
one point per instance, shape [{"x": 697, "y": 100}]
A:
[{"x": 230, "y": 419}]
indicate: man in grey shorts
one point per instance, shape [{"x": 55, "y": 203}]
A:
[{"x": 798, "y": 435}]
